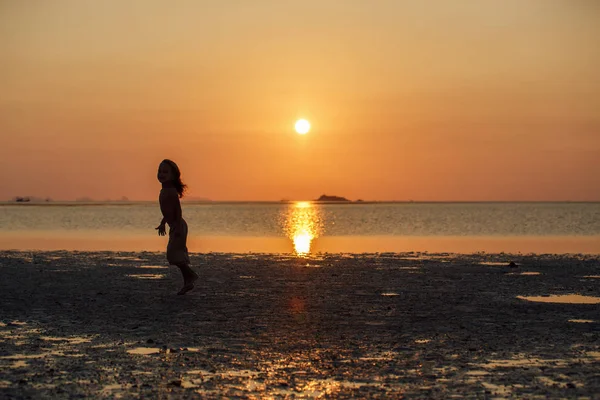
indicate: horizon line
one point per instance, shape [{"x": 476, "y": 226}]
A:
[{"x": 39, "y": 201}]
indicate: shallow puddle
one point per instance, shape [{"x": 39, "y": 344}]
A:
[
  {"x": 188, "y": 384},
  {"x": 378, "y": 356},
  {"x": 201, "y": 372},
  {"x": 19, "y": 364},
  {"x": 478, "y": 373},
  {"x": 529, "y": 273},
  {"x": 241, "y": 373},
  {"x": 547, "y": 381},
  {"x": 525, "y": 362},
  {"x": 593, "y": 354},
  {"x": 321, "y": 388},
  {"x": 47, "y": 386},
  {"x": 147, "y": 373},
  {"x": 563, "y": 298},
  {"x": 495, "y": 263},
  {"x": 71, "y": 340},
  {"x": 33, "y": 356},
  {"x": 144, "y": 350},
  {"x": 109, "y": 390},
  {"x": 500, "y": 390},
  {"x": 146, "y": 276}
]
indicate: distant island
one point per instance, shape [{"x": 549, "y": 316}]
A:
[
  {"x": 27, "y": 199},
  {"x": 36, "y": 199},
  {"x": 332, "y": 198}
]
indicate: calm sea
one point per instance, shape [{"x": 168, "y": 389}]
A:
[{"x": 306, "y": 227}]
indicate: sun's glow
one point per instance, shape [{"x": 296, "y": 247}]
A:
[
  {"x": 302, "y": 126},
  {"x": 303, "y": 224}
]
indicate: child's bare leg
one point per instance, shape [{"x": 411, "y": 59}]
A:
[{"x": 189, "y": 277}]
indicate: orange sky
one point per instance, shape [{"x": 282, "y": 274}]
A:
[{"x": 440, "y": 100}]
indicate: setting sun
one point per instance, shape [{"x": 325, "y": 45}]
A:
[{"x": 302, "y": 126}]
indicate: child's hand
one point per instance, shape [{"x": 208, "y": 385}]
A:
[{"x": 161, "y": 230}]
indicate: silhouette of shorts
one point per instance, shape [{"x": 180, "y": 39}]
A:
[{"x": 177, "y": 251}]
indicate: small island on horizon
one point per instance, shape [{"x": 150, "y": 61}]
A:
[{"x": 325, "y": 197}]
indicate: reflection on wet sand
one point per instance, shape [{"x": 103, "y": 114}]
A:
[
  {"x": 144, "y": 350},
  {"x": 146, "y": 276},
  {"x": 565, "y": 298},
  {"x": 19, "y": 364},
  {"x": 303, "y": 224},
  {"x": 303, "y": 239}
]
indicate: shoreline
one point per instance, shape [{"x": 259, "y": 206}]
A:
[
  {"x": 108, "y": 324},
  {"x": 135, "y": 241}
]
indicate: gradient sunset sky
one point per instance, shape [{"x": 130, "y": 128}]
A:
[{"x": 423, "y": 100}]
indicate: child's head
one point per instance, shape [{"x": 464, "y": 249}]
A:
[{"x": 168, "y": 172}]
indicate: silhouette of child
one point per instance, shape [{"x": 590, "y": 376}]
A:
[{"x": 177, "y": 253}]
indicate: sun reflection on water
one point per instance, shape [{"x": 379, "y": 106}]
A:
[{"x": 303, "y": 224}]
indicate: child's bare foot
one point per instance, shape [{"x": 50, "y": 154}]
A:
[
  {"x": 188, "y": 285},
  {"x": 185, "y": 289}
]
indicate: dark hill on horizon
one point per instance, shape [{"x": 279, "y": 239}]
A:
[{"x": 331, "y": 198}]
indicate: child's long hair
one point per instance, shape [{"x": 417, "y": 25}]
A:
[{"x": 179, "y": 185}]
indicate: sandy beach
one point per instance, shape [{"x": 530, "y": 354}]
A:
[{"x": 109, "y": 325}]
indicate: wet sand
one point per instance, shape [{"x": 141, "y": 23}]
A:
[{"x": 109, "y": 325}]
